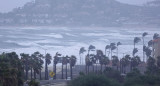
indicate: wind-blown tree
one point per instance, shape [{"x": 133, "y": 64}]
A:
[
  {"x": 136, "y": 40},
  {"x": 72, "y": 61},
  {"x": 144, "y": 35},
  {"x": 107, "y": 48},
  {"x": 98, "y": 56},
  {"x": 91, "y": 48},
  {"x": 81, "y": 51},
  {"x": 48, "y": 59},
  {"x": 55, "y": 62},
  {"x": 125, "y": 61},
  {"x": 41, "y": 63},
  {"x": 150, "y": 43},
  {"x": 151, "y": 66},
  {"x": 25, "y": 62},
  {"x": 63, "y": 63},
  {"x": 66, "y": 62},
  {"x": 135, "y": 62},
  {"x": 112, "y": 47},
  {"x": 37, "y": 66},
  {"x": 135, "y": 50},
  {"x": 118, "y": 44},
  {"x": 156, "y": 35},
  {"x": 88, "y": 63},
  {"x": 115, "y": 61},
  {"x": 148, "y": 51},
  {"x": 93, "y": 59},
  {"x": 104, "y": 61},
  {"x": 31, "y": 63},
  {"x": 158, "y": 62},
  {"x": 11, "y": 70}
]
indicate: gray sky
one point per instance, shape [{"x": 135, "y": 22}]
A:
[{"x": 8, "y": 5}]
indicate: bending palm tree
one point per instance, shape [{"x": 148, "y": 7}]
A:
[
  {"x": 107, "y": 47},
  {"x": 112, "y": 47},
  {"x": 115, "y": 61},
  {"x": 91, "y": 48},
  {"x": 55, "y": 61},
  {"x": 72, "y": 63},
  {"x": 143, "y": 35},
  {"x": 25, "y": 62},
  {"x": 81, "y": 51},
  {"x": 48, "y": 59},
  {"x": 136, "y": 40},
  {"x": 119, "y": 43}
]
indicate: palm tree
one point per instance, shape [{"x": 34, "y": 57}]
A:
[
  {"x": 151, "y": 66},
  {"x": 25, "y": 62},
  {"x": 63, "y": 62},
  {"x": 143, "y": 35},
  {"x": 92, "y": 60},
  {"x": 37, "y": 63},
  {"x": 72, "y": 63},
  {"x": 115, "y": 61},
  {"x": 118, "y": 44},
  {"x": 125, "y": 61},
  {"x": 11, "y": 70},
  {"x": 81, "y": 51},
  {"x": 136, "y": 40},
  {"x": 66, "y": 62},
  {"x": 112, "y": 47},
  {"x": 91, "y": 48},
  {"x": 48, "y": 59},
  {"x": 104, "y": 61},
  {"x": 88, "y": 63},
  {"x": 41, "y": 63},
  {"x": 55, "y": 61},
  {"x": 135, "y": 50},
  {"x": 107, "y": 47},
  {"x": 148, "y": 51},
  {"x": 98, "y": 57},
  {"x": 156, "y": 35},
  {"x": 135, "y": 62}
]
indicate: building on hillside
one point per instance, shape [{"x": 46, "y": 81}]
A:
[{"x": 156, "y": 48}]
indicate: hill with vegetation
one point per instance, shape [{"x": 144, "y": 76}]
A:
[{"x": 80, "y": 13}]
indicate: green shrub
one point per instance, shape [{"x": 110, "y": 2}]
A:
[
  {"x": 93, "y": 80},
  {"x": 33, "y": 83}
]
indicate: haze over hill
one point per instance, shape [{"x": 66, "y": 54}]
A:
[{"x": 80, "y": 13}]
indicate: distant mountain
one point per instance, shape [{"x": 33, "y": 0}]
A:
[{"x": 75, "y": 13}]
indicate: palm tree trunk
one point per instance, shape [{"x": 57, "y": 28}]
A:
[
  {"x": 117, "y": 51},
  {"x": 111, "y": 54},
  {"x": 93, "y": 67},
  {"x": 40, "y": 75},
  {"x": 80, "y": 58},
  {"x": 143, "y": 49},
  {"x": 71, "y": 71},
  {"x": 62, "y": 71},
  {"x": 66, "y": 71},
  {"x": 55, "y": 71},
  {"x": 45, "y": 70},
  {"x": 105, "y": 52},
  {"x": 86, "y": 68},
  {"x": 31, "y": 73},
  {"x": 47, "y": 73},
  {"x": 101, "y": 68},
  {"x": 34, "y": 74}
]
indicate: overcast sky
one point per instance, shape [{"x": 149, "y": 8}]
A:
[{"x": 8, "y": 5}]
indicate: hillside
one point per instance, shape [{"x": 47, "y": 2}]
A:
[{"x": 73, "y": 13}]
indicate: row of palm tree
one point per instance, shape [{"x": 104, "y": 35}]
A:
[{"x": 133, "y": 61}]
